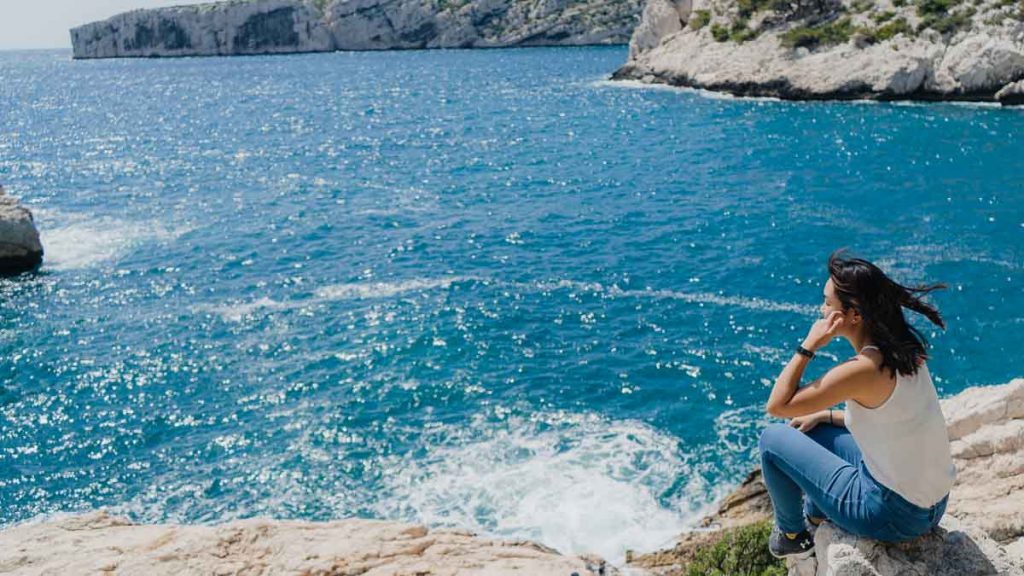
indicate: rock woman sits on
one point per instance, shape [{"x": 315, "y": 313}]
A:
[{"x": 881, "y": 468}]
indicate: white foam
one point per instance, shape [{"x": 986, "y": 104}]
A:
[
  {"x": 578, "y": 483},
  {"x": 752, "y": 303},
  {"x": 361, "y": 290},
  {"x": 237, "y": 311},
  {"x": 84, "y": 242},
  {"x": 704, "y": 93}
]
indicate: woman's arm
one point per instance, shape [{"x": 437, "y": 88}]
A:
[
  {"x": 838, "y": 417},
  {"x": 806, "y": 423},
  {"x": 839, "y": 384},
  {"x": 787, "y": 382}
]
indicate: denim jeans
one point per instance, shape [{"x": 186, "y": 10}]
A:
[{"x": 821, "y": 473}]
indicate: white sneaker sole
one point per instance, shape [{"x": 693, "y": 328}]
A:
[{"x": 797, "y": 555}]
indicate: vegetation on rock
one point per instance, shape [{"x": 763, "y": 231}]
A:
[
  {"x": 700, "y": 19},
  {"x": 825, "y": 34},
  {"x": 943, "y": 16},
  {"x": 823, "y": 24},
  {"x": 740, "y": 552}
]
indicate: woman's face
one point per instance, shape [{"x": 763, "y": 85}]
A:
[{"x": 830, "y": 303}]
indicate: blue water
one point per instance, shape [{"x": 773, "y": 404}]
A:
[{"x": 476, "y": 288}]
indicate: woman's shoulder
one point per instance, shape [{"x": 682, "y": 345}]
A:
[
  {"x": 857, "y": 372},
  {"x": 872, "y": 387}
]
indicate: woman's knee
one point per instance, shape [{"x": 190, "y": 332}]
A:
[{"x": 772, "y": 433}]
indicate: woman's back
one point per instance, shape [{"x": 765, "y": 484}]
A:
[{"x": 904, "y": 440}]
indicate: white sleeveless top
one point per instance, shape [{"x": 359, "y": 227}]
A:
[{"x": 904, "y": 441}]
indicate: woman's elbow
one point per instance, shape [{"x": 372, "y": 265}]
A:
[{"x": 776, "y": 411}]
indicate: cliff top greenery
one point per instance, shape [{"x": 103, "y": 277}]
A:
[
  {"x": 740, "y": 552},
  {"x": 821, "y": 23}
]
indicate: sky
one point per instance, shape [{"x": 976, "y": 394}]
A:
[{"x": 45, "y": 23}]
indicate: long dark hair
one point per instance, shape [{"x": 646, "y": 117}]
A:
[{"x": 880, "y": 301}]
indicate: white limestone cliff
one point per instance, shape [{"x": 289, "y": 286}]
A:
[
  {"x": 224, "y": 28},
  {"x": 835, "y": 49},
  {"x": 239, "y": 27}
]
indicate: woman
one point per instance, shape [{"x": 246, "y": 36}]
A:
[{"x": 882, "y": 468}]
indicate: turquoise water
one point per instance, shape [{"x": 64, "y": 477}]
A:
[{"x": 476, "y": 288}]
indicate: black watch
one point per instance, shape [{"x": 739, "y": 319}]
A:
[{"x": 804, "y": 351}]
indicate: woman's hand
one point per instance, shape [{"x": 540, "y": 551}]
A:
[
  {"x": 806, "y": 423},
  {"x": 823, "y": 331}
]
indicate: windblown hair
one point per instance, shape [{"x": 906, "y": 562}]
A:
[{"x": 861, "y": 285}]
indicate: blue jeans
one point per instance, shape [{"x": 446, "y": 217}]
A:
[{"x": 821, "y": 473}]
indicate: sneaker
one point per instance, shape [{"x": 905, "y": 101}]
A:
[
  {"x": 782, "y": 547},
  {"x": 811, "y": 526}
]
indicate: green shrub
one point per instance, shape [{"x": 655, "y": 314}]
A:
[
  {"x": 886, "y": 31},
  {"x": 939, "y": 15},
  {"x": 862, "y": 5},
  {"x": 934, "y": 7},
  {"x": 827, "y": 34},
  {"x": 739, "y": 32},
  {"x": 741, "y": 552},
  {"x": 748, "y": 8},
  {"x": 947, "y": 24},
  {"x": 700, "y": 19},
  {"x": 883, "y": 16},
  {"x": 894, "y": 28},
  {"x": 719, "y": 32}
]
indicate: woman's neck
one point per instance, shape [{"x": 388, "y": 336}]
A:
[{"x": 859, "y": 341}]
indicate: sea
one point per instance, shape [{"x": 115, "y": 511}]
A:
[{"x": 485, "y": 289}]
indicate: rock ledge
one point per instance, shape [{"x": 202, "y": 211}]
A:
[
  {"x": 97, "y": 543},
  {"x": 982, "y": 531}
]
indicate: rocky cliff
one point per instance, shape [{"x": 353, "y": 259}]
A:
[
  {"x": 238, "y": 27},
  {"x": 834, "y": 49},
  {"x": 96, "y": 543}
]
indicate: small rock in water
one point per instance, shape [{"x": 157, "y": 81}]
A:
[{"x": 20, "y": 249}]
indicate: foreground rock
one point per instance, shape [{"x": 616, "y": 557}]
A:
[
  {"x": 20, "y": 249},
  {"x": 982, "y": 531},
  {"x": 98, "y": 544},
  {"x": 955, "y": 549},
  {"x": 833, "y": 49},
  {"x": 283, "y": 26}
]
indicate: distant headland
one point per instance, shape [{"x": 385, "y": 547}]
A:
[{"x": 246, "y": 27}]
